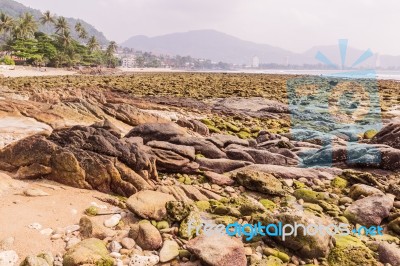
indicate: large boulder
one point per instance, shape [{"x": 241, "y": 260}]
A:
[
  {"x": 149, "y": 204},
  {"x": 83, "y": 157},
  {"x": 217, "y": 250},
  {"x": 259, "y": 181},
  {"x": 306, "y": 245},
  {"x": 90, "y": 251},
  {"x": 350, "y": 250},
  {"x": 389, "y": 135},
  {"x": 369, "y": 211},
  {"x": 157, "y": 131}
]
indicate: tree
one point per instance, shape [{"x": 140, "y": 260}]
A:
[
  {"x": 65, "y": 39},
  {"x": 82, "y": 33},
  {"x": 47, "y": 17},
  {"x": 93, "y": 44},
  {"x": 61, "y": 26},
  {"x": 6, "y": 24},
  {"x": 26, "y": 48},
  {"x": 25, "y": 27},
  {"x": 111, "y": 49}
]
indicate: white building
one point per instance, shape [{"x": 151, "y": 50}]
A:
[
  {"x": 256, "y": 62},
  {"x": 128, "y": 62}
]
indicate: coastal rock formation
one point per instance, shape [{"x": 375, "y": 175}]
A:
[{"x": 84, "y": 157}]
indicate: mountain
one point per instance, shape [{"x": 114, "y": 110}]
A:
[
  {"x": 209, "y": 44},
  {"x": 15, "y": 9},
  {"x": 218, "y": 46}
]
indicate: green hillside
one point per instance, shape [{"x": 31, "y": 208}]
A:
[{"x": 15, "y": 9}]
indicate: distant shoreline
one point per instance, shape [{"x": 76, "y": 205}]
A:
[{"x": 29, "y": 71}]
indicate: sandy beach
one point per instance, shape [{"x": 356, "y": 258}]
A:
[{"x": 27, "y": 71}]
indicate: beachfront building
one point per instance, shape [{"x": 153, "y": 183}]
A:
[
  {"x": 256, "y": 62},
  {"x": 129, "y": 61}
]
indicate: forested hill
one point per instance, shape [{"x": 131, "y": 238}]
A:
[{"x": 15, "y": 9}]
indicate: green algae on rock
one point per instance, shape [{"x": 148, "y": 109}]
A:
[{"x": 350, "y": 251}]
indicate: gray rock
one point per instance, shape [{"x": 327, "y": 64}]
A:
[{"x": 369, "y": 211}]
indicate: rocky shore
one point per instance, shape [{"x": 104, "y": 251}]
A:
[{"x": 118, "y": 170}]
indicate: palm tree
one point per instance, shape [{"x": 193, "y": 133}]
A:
[
  {"x": 47, "y": 17},
  {"x": 65, "y": 39},
  {"x": 82, "y": 33},
  {"x": 25, "y": 27},
  {"x": 61, "y": 25},
  {"x": 6, "y": 24},
  {"x": 112, "y": 48},
  {"x": 93, "y": 44}
]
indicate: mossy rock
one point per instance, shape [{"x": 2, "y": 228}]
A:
[
  {"x": 268, "y": 204},
  {"x": 309, "y": 195},
  {"x": 270, "y": 261},
  {"x": 369, "y": 134},
  {"x": 244, "y": 135},
  {"x": 162, "y": 225},
  {"x": 207, "y": 122},
  {"x": 313, "y": 207},
  {"x": 350, "y": 251},
  {"x": 214, "y": 129},
  {"x": 297, "y": 184},
  {"x": 178, "y": 210},
  {"x": 339, "y": 182},
  {"x": 203, "y": 205},
  {"x": 225, "y": 220},
  {"x": 89, "y": 251},
  {"x": 276, "y": 253},
  {"x": 231, "y": 127},
  {"x": 196, "y": 222},
  {"x": 92, "y": 211}
]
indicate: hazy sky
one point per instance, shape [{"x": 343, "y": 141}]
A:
[{"x": 295, "y": 25}]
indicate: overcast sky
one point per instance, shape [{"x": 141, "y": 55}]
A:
[{"x": 295, "y": 25}]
